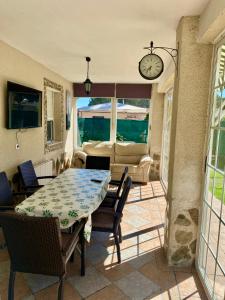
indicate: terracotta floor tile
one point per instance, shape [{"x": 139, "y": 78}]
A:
[
  {"x": 110, "y": 293},
  {"x": 21, "y": 288},
  {"x": 51, "y": 293},
  {"x": 165, "y": 280},
  {"x": 126, "y": 227},
  {"x": 136, "y": 286},
  {"x": 143, "y": 272},
  {"x": 161, "y": 260},
  {"x": 151, "y": 245},
  {"x": 115, "y": 272},
  {"x": 189, "y": 286}
]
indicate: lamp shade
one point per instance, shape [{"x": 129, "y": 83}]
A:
[{"x": 87, "y": 86}]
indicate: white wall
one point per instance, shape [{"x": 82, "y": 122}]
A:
[{"x": 17, "y": 67}]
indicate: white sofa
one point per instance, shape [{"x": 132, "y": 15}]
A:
[{"x": 134, "y": 155}]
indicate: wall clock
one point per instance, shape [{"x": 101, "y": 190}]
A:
[{"x": 151, "y": 66}]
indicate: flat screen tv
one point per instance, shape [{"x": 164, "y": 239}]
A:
[{"x": 24, "y": 107}]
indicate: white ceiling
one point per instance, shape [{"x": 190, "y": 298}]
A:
[{"x": 59, "y": 34}]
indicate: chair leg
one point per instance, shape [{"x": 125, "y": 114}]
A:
[
  {"x": 120, "y": 234},
  {"x": 11, "y": 285},
  {"x": 61, "y": 288},
  {"x": 117, "y": 247},
  {"x": 82, "y": 254}
]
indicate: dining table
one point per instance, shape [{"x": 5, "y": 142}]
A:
[{"x": 71, "y": 196}]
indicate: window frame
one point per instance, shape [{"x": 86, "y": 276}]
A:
[
  {"x": 113, "y": 121},
  {"x": 203, "y": 237}
]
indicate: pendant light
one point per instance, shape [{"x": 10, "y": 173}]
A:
[{"x": 87, "y": 82}]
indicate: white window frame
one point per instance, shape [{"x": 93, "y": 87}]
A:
[
  {"x": 113, "y": 121},
  {"x": 208, "y": 167}
]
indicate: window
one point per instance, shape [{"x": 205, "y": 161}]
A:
[
  {"x": 211, "y": 257},
  {"x": 111, "y": 119},
  {"x": 53, "y": 116},
  {"x": 132, "y": 120},
  {"x": 93, "y": 118}
]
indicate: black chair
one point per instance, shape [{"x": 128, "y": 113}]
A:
[
  {"x": 29, "y": 178},
  {"x": 7, "y": 196},
  {"x": 109, "y": 219},
  {"x": 112, "y": 196},
  {"x": 37, "y": 246},
  {"x": 98, "y": 162}
]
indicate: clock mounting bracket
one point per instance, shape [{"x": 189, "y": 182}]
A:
[{"x": 173, "y": 52}]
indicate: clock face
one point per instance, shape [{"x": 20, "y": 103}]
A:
[{"x": 151, "y": 66}]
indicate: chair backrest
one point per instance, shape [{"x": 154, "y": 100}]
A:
[
  {"x": 27, "y": 174},
  {"x": 124, "y": 196},
  {"x": 6, "y": 196},
  {"x": 98, "y": 162},
  {"x": 122, "y": 180},
  {"x": 34, "y": 244}
]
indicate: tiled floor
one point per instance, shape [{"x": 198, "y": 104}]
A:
[{"x": 143, "y": 273}]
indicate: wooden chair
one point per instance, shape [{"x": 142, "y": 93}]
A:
[
  {"x": 29, "y": 178},
  {"x": 98, "y": 162},
  {"x": 36, "y": 245},
  {"x": 7, "y": 196},
  {"x": 112, "y": 196},
  {"x": 109, "y": 219}
]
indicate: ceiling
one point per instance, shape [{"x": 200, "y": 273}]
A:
[{"x": 59, "y": 34}]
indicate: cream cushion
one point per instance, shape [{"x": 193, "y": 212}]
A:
[
  {"x": 119, "y": 168},
  {"x": 129, "y": 153},
  {"x": 133, "y": 155},
  {"x": 127, "y": 159},
  {"x": 131, "y": 149},
  {"x": 100, "y": 149}
]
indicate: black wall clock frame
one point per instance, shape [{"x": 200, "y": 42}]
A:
[{"x": 171, "y": 51}]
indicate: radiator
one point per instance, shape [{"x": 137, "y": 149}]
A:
[{"x": 44, "y": 169}]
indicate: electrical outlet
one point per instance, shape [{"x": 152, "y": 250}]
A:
[{"x": 17, "y": 146}]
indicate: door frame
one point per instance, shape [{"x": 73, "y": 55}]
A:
[{"x": 216, "y": 46}]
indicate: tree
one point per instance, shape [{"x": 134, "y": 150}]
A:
[
  {"x": 95, "y": 101},
  {"x": 136, "y": 102}
]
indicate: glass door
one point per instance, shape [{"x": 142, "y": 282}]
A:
[{"x": 211, "y": 254}]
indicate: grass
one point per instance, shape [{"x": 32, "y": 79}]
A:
[{"x": 218, "y": 185}]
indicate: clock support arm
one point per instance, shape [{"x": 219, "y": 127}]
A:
[{"x": 171, "y": 51}]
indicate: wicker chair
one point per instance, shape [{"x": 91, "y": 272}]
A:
[
  {"x": 37, "y": 246},
  {"x": 111, "y": 196},
  {"x": 98, "y": 162},
  {"x": 7, "y": 196},
  {"x": 109, "y": 219},
  {"x": 29, "y": 178}
]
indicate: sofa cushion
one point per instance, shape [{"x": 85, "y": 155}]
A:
[
  {"x": 128, "y": 159},
  {"x": 131, "y": 149},
  {"x": 119, "y": 168},
  {"x": 99, "y": 149}
]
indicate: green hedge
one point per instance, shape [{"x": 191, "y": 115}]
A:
[{"x": 98, "y": 129}]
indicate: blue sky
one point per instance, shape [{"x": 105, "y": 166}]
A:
[{"x": 83, "y": 102}]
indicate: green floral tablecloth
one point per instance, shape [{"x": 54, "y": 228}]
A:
[{"x": 70, "y": 196}]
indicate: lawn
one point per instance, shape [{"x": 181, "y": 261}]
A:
[{"x": 218, "y": 185}]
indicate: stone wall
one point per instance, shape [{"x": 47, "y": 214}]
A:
[
  {"x": 188, "y": 134},
  {"x": 155, "y": 167}
]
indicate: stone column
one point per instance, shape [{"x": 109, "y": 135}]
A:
[
  {"x": 156, "y": 119},
  {"x": 188, "y": 133}
]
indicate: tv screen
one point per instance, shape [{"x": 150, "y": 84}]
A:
[{"x": 24, "y": 106}]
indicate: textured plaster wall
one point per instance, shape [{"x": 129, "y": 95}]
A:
[
  {"x": 212, "y": 21},
  {"x": 17, "y": 67},
  {"x": 157, "y": 108},
  {"x": 188, "y": 131}
]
